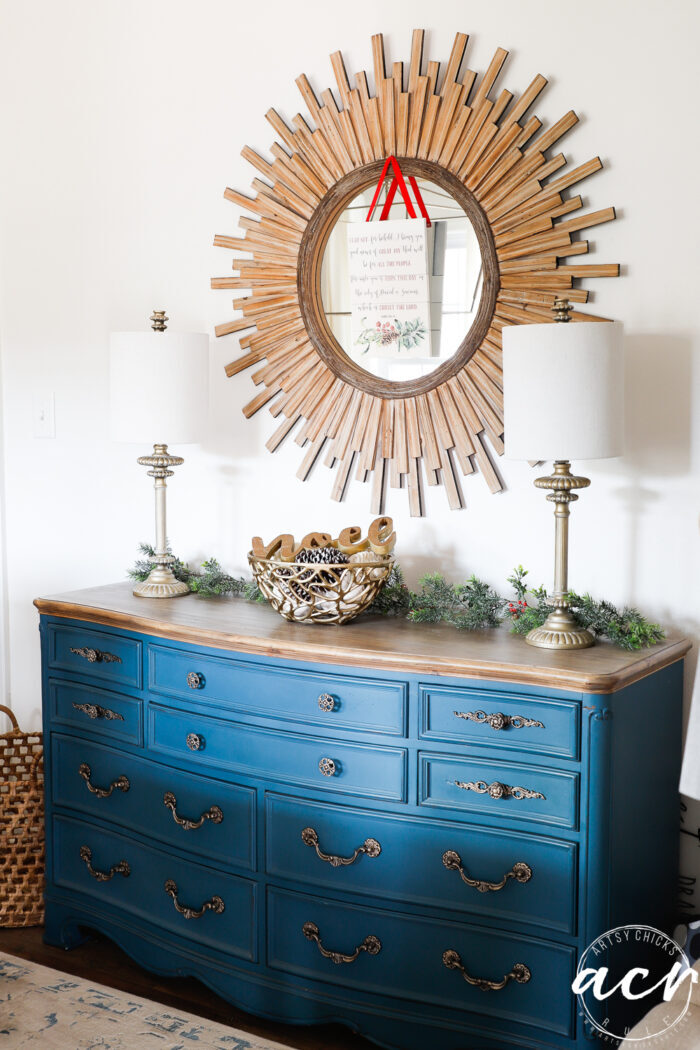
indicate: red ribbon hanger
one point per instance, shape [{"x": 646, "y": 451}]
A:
[{"x": 397, "y": 182}]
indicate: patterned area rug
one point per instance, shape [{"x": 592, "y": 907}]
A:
[{"x": 43, "y": 1007}]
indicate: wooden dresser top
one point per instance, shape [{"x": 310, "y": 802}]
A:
[{"x": 375, "y": 642}]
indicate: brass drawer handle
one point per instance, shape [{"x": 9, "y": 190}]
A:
[
  {"x": 519, "y": 973},
  {"x": 215, "y": 904},
  {"x": 194, "y": 680},
  {"x": 498, "y": 790},
  {"x": 497, "y": 720},
  {"x": 121, "y": 868},
  {"x": 520, "y": 871},
  {"x": 326, "y": 702},
  {"x": 195, "y": 742},
  {"x": 95, "y": 711},
  {"x": 371, "y": 944},
  {"x": 214, "y": 814},
  {"x": 371, "y": 847},
  {"x": 327, "y": 767},
  {"x": 96, "y": 656},
  {"x": 120, "y": 784}
]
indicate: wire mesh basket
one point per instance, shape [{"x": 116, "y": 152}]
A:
[
  {"x": 306, "y": 592},
  {"x": 21, "y": 826}
]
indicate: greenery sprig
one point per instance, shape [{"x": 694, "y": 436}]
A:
[
  {"x": 212, "y": 582},
  {"x": 470, "y": 606}
]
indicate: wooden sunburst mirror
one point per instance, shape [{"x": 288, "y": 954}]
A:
[{"x": 487, "y": 165}]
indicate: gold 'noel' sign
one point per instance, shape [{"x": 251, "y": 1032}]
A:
[{"x": 490, "y": 173}]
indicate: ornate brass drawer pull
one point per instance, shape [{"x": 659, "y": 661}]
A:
[
  {"x": 195, "y": 742},
  {"x": 214, "y": 814},
  {"x": 371, "y": 944},
  {"x": 519, "y": 973},
  {"x": 327, "y": 767},
  {"x": 120, "y": 784},
  {"x": 215, "y": 904},
  {"x": 326, "y": 702},
  {"x": 96, "y": 656},
  {"x": 497, "y": 720},
  {"x": 520, "y": 871},
  {"x": 498, "y": 790},
  {"x": 95, "y": 711},
  {"x": 194, "y": 680},
  {"x": 121, "y": 868},
  {"x": 371, "y": 847}
]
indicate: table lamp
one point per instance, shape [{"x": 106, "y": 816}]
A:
[
  {"x": 159, "y": 390},
  {"x": 563, "y": 400}
]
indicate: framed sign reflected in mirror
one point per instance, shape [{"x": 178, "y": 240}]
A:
[{"x": 374, "y": 334}]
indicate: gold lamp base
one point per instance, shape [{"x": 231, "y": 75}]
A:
[
  {"x": 560, "y": 630},
  {"x": 161, "y": 583}
]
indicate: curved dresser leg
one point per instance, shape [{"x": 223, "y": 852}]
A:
[{"x": 61, "y": 929}]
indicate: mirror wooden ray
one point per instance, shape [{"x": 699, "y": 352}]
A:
[{"x": 492, "y": 158}]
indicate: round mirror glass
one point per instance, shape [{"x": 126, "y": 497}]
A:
[{"x": 400, "y": 295}]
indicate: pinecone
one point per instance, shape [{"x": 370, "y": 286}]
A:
[
  {"x": 315, "y": 580},
  {"x": 321, "y": 556}
]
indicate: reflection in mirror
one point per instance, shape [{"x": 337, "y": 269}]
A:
[{"x": 400, "y": 296}]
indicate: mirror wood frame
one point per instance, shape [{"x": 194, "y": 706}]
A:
[
  {"x": 311, "y": 252},
  {"x": 498, "y": 163}
]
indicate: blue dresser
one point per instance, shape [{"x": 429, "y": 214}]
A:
[{"x": 406, "y": 829}]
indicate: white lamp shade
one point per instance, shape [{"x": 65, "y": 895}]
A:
[
  {"x": 563, "y": 390},
  {"x": 159, "y": 387}
]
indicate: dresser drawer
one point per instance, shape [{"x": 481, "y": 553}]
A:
[
  {"x": 409, "y": 964},
  {"x": 109, "y": 658},
  {"x": 213, "y": 818},
  {"x": 96, "y": 711},
  {"x": 532, "y": 878},
  {"x": 356, "y": 769},
  {"x": 317, "y": 698},
  {"x": 139, "y": 886},
  {"x": 499, "y": 720},
  {"x": 499, "y": 789}
]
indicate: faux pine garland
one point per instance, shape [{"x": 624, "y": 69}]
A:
[{"x": 469, "y": 606}]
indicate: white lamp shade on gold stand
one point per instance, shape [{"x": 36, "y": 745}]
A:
[
  {"x": 563, "y": 399},
  {"x": 159, "y": 386},
  {"x": 563, "y": 390},
  {"x": 159, "y": 391}
]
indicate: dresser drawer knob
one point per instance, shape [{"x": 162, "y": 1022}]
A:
[
  {"x": 95, "y": 711},
  {"x": 195, "y": 680},
  {"x": 120, "y": 784},
  {"x": 371, "y": 847},
  {"x": 195, "y": 742},
  {"x": 520, "y": 871},
  {"x": 371, "y": 944},
  {"x": 326, "y": 702},
  {"x": 121, "y": 868},
  {"x": 215, "y": 904},
  {"x": 214, "y": 814},
  {"x": 96, "y": 656},
  {"x": 497, "y": 720},
  {"x": 327, "y": 767},
  {"x": 519, "y": 973},
  {"x": 497, "y": 790}
]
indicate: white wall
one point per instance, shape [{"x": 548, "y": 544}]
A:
[{"x": 123, "y": 122}]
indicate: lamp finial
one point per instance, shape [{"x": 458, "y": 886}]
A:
[
  {"x": 158, "y": 319},
  {"x": 561, "y": 310}
]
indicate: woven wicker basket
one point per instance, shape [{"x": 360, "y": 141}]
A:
[
  {"x": 307, "y": 592},
  {"x": 21, "y": 826}
]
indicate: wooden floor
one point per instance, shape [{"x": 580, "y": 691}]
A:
[{"x": 100, "y": 960}]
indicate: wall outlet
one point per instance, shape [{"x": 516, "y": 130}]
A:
[{"x": 44, "y": 415}]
